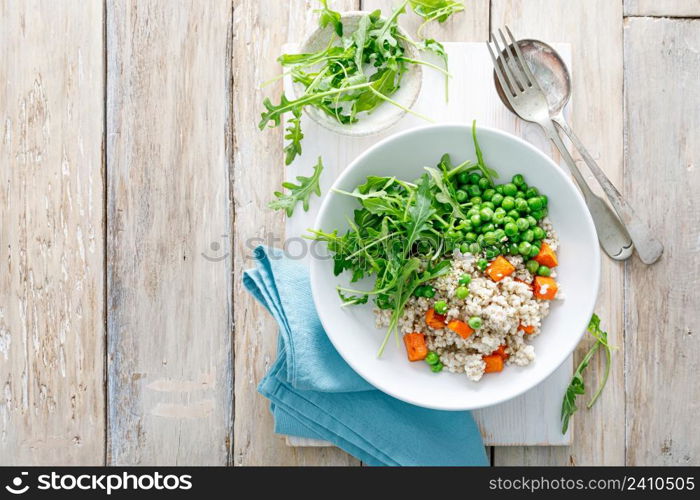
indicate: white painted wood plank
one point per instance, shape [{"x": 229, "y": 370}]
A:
[
  {"x": 531, "y": 419},
  {"x": 51, "y": 234},
  {"x": 667, "y": 8},
  {"x": 260, "y": 29},
  {"x": 662, "y": 140},
  {"x": 170, "y": 311},
  {"x": 594, "y": 30}
]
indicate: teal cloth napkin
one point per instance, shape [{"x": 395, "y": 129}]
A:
[{"x": 314, "y": 393}]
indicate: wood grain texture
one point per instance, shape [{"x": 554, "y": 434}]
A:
[
  {"x": 666, "y": 8},
  {"x": 51, "y": 234},
  {"x": 662, "y": 118},
  {"x": 596, "y": 43},
  {"x": 170, "y": 310},
  {"x": 470, "y": 25},
  {"x": 258, "y": 169}
]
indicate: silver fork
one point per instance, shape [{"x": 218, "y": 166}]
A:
[{"x": 530, "y": 103}]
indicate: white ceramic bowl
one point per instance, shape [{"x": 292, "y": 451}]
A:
[
  {"x": 383, "y": 116},
  {"x": 351, "y": 329}
]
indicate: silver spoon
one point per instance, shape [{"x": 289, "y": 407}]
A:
[{"x": 554, "y": 78}]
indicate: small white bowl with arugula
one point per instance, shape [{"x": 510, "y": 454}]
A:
[{"x": 448, "y": 153}]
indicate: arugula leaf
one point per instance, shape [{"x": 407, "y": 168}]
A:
[
  {"x": 489, "y": 173},
  {"x": 432, "y": 10},
  {"x": 383, "y": 82},
  {"x": 419, "y": 212},
  {"x": 577, "y": 386},
  {"x": 295, "y": 135},
  {"x": 298, "y": 192},
  {"x": 329, "y": 16}
]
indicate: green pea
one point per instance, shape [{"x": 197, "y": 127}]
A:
[
  {"x": 545, "y": 200},
  {"x": 432, "y": 358},
  {"x": 429, "y": 292},
  {"x": 482, "y": 264},
  {"x": 488, "y": 204},
  {"x": 484, "y": 183},
  {"x": 488, "y": 227},
  {"x": 537, "y": 214},
  {"x": 492, "y": 253},
  {"x": 474, "y": 178},
  {"x": 538, "y": 232},
  {"x": 531, "y": 192},
  {"x": 437, "y": 367},
  {"x": 531, "y": 220},
  {"x": 524, "y": 248},
  {"x": 499, "y": 189},
  {"x": 475, "y": 200},
  {"x": 532, "y": 266},
  {"x": 486, "y": 214},
  {"x": 515, "y": 238},
  {"x": 522, "y": 224},
  {"x": 472, "y": 211},
  {"x": 461, "y": 195},
  {"x": 465, "y": 279},
  {"x": 535, "y": 248},
  {"x": 469, "y": 237},
  {"x": 419, "y": 291},
  {"x": 475, "y": 220},
  {"x": 475, "y": 322},
  {"x": 518, "y": 180},
  {"x": 440, "y": 307},
  {"x": 497, "y": 199},
  {"x": 510, "y": 229},
  {"x": 513, "y": 249},
  {"x": 451, "y": 234},
  {"x": 462, "y": 292},
  {"x": 544, "y": 271},
  {"x": 508, "y": 219},
  {"x": 474, "y": 190},
  {"x": 528, "y": 236},
  {"x": 464, "y": 248},
  {"x": 488, "y": 194},
  {"x": 519, "y": 195},
  {"x": 508, "y": 203},
  {"x": 521, "y": 205},
  {"x": 535, "y": 203},
  {"x": 509, "y": 189},
  {"x": 463, "y": 178},
  {"x": 500, "y": 234},
  {"x": 514, "y": 213},
  {"x": 474, "y": 248},
  {"x": 480, "y": 240},
  {"x": 490, "y": 238},
  {"x": 498, "y": 217}
]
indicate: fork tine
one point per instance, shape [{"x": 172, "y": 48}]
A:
[
  {"x": 519, "y": 76},
  {"x": 501, "y": 79},
  {"x": 511, "y": 82},
  {"x": 521, "y": 59}
]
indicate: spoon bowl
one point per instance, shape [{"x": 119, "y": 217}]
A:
[{"x": 549, "y": 70}]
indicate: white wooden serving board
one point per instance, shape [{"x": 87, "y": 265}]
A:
[{"x": 533, "y": 418}]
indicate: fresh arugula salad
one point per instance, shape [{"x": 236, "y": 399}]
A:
[{"x": 350, "y": 77}]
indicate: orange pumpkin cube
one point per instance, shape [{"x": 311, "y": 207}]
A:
[
  {"x": 527, "y": 329},
  {"x": 435, "y": 320},
  {"x": 460, "y": 328},
  {"x": 546, "y": 256},
  {"x": 499, "y": 268},
  {"x": 416, "y": 348},
  {"x": 501, "y": 351},
  {"x": 545, "y": 288},
  {"x": 494, "y": 363}
]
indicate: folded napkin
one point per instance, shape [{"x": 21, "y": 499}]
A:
[{"x": 314, "y": 393}]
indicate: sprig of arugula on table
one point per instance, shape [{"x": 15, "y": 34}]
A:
[
  {"x": 397, "y": 234},
  {"x": 577, "y": 386},
  {"x": 298, "y": 192},
  {"x": 355, "y": 72}
]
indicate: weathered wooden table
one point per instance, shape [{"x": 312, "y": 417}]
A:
[{"x": 133, "y": 180}]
